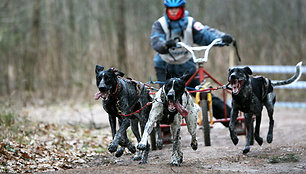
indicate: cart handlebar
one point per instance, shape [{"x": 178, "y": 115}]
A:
[{"x": 207, "y": 48}]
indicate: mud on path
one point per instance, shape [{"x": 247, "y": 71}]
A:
[{"x": 286, "y": 154}]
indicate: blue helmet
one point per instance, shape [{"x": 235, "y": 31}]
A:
[{"x": 174, "y": 3}]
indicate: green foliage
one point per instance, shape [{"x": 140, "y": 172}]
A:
[
  {"x": 286, "y": 158},
  {"x": 7, "y": 119}
]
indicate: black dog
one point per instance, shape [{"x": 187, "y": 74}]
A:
[
  {"x": 122, "y": 97},
  {"x": 171, "y": 103},
  {"x": 249, "y": 95}
]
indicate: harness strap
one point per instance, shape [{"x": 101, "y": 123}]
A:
[
  {"x": 118, "y": 88},
  {"x": 149, "y": 103},
  {"x": 138, "y": 94}
]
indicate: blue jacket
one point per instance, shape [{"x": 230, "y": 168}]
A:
[{"x": 202, "y": 35}]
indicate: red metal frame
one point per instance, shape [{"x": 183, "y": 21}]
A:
[{"x": 203, "y": 74}]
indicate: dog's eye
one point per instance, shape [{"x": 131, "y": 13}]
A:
[{"x": 240, "y": 73}]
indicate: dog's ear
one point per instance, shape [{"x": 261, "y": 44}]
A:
[
  {"x": 248, "y": 70},
  {"x": 117, "y": 72},
  {"x": 230, "y": 69},
  {"x": 186, "y": 76},
  {"x": 99, "y": 68}
]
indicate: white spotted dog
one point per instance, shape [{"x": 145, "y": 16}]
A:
[{"x": 171, "y": 103}]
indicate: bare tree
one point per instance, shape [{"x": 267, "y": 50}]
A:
[
  {"x": 32, "y": 52},
  {"x": 51, "y": 47},
  {"x": 121, "y": 34}
]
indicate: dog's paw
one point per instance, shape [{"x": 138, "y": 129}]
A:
[
  {"x": 181, "y": 159},
  {"x": 235, "y": 140},
  {"x": 137, "y": 157},
  {"x": 176, "y": 160},
  {"x": 194, "y": 145},
  {"x": 259, "y": 140},
  {"x": 246, "y": 150},
  {"x": 112, "y": 147},
  {"x": 141, "y": 146},
  {"x": 143, "y": 162},
  {"x": 159, "y": 144},
  {"x": 132, "y": 148},
  {"x": 269, "y": 138},
  {"x": 119, "y": 152},
  {"x": 175, "y": 163}
]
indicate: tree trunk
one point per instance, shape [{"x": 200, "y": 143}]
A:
[
  {"x": 121, "y": 34},
  {"x": 33, "y": 50}
]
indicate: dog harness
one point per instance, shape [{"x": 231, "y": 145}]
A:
[
  {"x": 118, "y": 88},
  {"x": 139, "y": 89}
]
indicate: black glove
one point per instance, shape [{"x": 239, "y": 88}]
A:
[
  {"x": 227, "y": 39},
  {"x": 170, "y": 43}
]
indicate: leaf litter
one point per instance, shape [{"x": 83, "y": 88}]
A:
[{"x": 52, "y": 147}]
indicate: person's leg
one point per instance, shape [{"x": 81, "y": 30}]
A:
[
  {"x": 190, "y": 68},
  {"x": 161, "y": 75},
  {"x": 160, "y": 69}
]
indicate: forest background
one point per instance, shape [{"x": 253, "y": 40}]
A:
[{"x": 49, "y": 49}]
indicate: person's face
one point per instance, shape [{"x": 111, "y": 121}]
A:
[{"x": 173, "y": 10}]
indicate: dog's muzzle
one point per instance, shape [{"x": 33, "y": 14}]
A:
[
  {"x": 171, "y": 96},
  {"x": 171, "y": 106},
  {"x": 170, "y": 99},
  {"x": 236, "y": 84},
  {"x": 103, "y": 93},
  {"x": 176, "y": 105}
]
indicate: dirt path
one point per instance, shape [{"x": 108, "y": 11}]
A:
[{"x": 286, "y": 154}]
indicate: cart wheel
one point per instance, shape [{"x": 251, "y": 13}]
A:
[
  {"x": 205, "y": 122},
  {"x": 153, "y": 139}
]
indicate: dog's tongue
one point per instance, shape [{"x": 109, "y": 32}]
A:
[
  {"x": 181, "y": 109},
  {"x": 235, "y": 86},
  {"x": 98, "y": 95},
  {"x": 235, "y": 89}
]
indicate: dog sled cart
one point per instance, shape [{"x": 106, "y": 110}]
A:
[{"x": 204, "y": 93}]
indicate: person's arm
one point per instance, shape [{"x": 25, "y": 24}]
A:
[
  {"x": 158, "y": 38},
  {"x": 204, "y": 35}
]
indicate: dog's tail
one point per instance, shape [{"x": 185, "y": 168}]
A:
[{"x": 294, "y": 78}]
